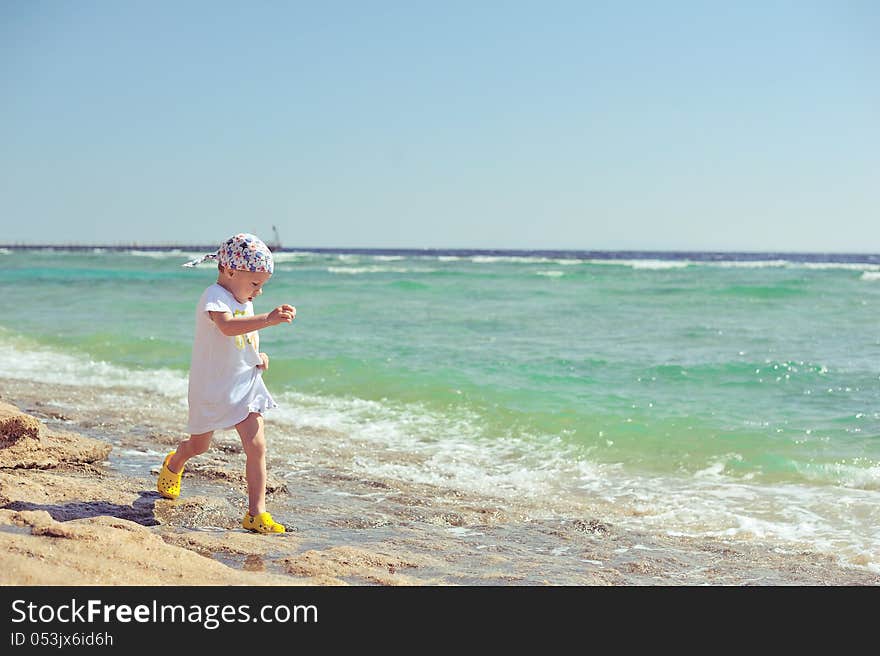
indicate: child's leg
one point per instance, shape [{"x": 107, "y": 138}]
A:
[
  {"x": 195, "y": 445},
  {"x": 254, "y": 442}
]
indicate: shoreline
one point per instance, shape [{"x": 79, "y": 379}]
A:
[{"x": 346, "y": 529}]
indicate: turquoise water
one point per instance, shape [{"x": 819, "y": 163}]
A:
[{"x": 725, "y": 397}]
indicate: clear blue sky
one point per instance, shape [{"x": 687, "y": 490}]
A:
[{"x": 593, "y": 125}]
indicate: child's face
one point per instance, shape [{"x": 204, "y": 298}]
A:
[{"x": 244, "y": 285}]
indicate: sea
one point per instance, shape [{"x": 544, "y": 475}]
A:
[{"x": 711, "y": 395}]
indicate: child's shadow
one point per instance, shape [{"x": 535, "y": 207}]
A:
[{"x": 140, "y": 511}]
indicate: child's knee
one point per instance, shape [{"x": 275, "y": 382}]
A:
[{"x": 256, "y": 447}]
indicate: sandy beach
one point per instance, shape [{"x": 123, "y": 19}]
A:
[{"x": 78, "y": 507}]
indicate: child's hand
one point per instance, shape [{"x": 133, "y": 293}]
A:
[
  {"x": 282, "y": 314},
  {"x": 265, "y": 359}
]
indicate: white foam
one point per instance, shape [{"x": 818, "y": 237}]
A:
[
  {"x": 846, "y": 266},
  {"x": 749, "y": 264},
  {"x": 712, "y": 471},
  {"x": 788, "y": 264},
  {"x": 550, "y": 274},
  {"x": 508, "y": 259},
  {"x": 377, "y": 269},
  {"x": 660, "y": 264},
  {"x": 175, "y": 252},
  {"x": 645, "y": 264},
  {"x": 296, "y": 256},
  {"x": 737, "y": 264},
  {"x": 864, "y": 478},
  {"x": 868, "y": 269},
  {"x": 453, "y": 450},
  {"x": 836, "y": 520},
  {"x": 22, "y": 361}
]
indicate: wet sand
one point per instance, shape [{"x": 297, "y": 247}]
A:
[{"x": 78, "y": 507}]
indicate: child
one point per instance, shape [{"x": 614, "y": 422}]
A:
[{"x": 226, "y": 373}]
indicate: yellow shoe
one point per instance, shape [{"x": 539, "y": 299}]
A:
[
  {"x": 262, "y": 523},
  {"x": 169, "y": 482}
]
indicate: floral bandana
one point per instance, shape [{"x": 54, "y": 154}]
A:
[{"x": 243, "y": 252}]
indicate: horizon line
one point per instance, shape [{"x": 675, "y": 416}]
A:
[{"x": 156, "y": 246}]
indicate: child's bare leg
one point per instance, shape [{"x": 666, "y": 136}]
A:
[
  {"x": 254, "y": 442},
  {"x": 195, "y": 445}
]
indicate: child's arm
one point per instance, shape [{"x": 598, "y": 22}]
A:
[
  {"x": 263, "y": 356},
  {"x": 233, "y": 326}
]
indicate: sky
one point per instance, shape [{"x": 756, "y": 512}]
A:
[{"x": 745, "y": 126}]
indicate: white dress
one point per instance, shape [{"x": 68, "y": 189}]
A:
[{"x": 224, "y": 382}]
